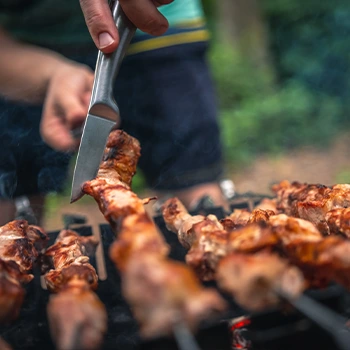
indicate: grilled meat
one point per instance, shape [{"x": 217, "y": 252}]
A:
[
  {"x": 312, "y": 202},
  {"x": 159, "y": 291},
  {"x": 291, "y": 230},
  {"x": 238, "y": 218},
  {"x": 338, "y": 221},
  {"x": 322, "y": 259},
  {"x": 204, "y": 237},
  {"x": 252, "y": 238},
  {"x": 260, "y": 215},
  {"x": 253, "y": 279},
  {"x": 77, "y": 318},
  {"x": 268, "y": 204},
  {"x": 17, "y": 256},
  {"x": 242, "y": 217}
]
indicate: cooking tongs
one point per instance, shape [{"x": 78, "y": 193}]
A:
[{"x": 103, "y": 113}]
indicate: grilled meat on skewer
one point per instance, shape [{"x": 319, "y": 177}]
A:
[
  {"x": 242, "y": 217},
  {"x": 338, "y": 221},
  {"x": 322, "y": 259},
  {"x": 17, "y": 256},
  {"x": 204, "y": 237},
  {"x": 253, "y": 279},
  {"x": 77, "y": 318},
  {"x": 159, "y": 291},
  {"x": 213, "y": 254},
  {"x": 238, "y": 218},
  {"x": 268, "y": 204},
  {"x": 311, "y": 202}
]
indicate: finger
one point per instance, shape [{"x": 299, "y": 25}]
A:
[
  {"x": 73, "y": 109},
  {"x": 99, "y": 20},
  {"x": 56, "y": 134},
  {"x": 145, "y": 15},
  {"x": 86, "y": 98}
]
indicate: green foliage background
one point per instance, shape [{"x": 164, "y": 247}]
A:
[{"x": 308, "y": 103}]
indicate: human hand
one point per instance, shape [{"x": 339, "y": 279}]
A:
[
  {"x": 66, "y": 105},
  {"x": 143, "y": 13}
]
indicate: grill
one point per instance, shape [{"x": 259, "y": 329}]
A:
[{"x": 272, "y": 329}]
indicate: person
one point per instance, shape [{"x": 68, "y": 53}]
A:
[{"x": 164, "y": 91}]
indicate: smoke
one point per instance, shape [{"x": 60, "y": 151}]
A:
[{"x": 8, "y": 184}]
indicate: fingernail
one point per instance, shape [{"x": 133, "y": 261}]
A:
[{"x": 105, "y": 40}]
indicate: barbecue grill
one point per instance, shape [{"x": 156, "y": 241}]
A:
[{"x": 272, "y": 329}]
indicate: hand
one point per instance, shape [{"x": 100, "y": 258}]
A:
[
  {"x": 143, "y": 13},
  {"x": 66, "y": 105}
]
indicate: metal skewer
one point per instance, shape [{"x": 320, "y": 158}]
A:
[
  {"x": 330, "y": 321},
  {"x": 184, "y": 338}
]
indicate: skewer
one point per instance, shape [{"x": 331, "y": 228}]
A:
[
  {"x": 327, "y": 319},
  {"x": 184, "y": 338}
]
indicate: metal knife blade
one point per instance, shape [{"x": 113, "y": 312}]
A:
[
  {"x": 92, "y": 145},
  {"x": 103, "y": 112}
]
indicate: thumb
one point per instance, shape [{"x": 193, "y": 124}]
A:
[{"x": 99, "y": 20}]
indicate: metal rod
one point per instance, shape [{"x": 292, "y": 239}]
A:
[
  {"x": 326, "y": 318},
  {"x": 184, "y": 338}
]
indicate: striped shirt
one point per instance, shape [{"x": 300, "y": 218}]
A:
[{"x": 52, "y": 23}]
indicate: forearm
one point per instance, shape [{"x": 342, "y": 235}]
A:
[{"x": 25, "y": 70}]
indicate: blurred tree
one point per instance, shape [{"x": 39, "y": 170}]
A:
[
  {"x": 306, "y": 47},
  {"x": 310, "y": 44},
  {"x": 241, "y": 25}
]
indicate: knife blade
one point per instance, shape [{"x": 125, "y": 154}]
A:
[{"x": 103, "y": 112}]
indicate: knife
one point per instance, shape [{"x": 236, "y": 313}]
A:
[{"x": 103, "y": 113}]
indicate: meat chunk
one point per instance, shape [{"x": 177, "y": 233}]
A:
[
  {"x": 204, "y": 237},
  {"x": 254, "y": 279},
  {"x": 338, "y": 221},
  {"x": 18, "y": 253},
  {"x": 77, "y": 318},
  {"x": 159, "y": 291},
  {"x": 312, "y": 202}
]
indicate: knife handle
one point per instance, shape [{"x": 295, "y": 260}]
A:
[{"x": 102, "y": 101}]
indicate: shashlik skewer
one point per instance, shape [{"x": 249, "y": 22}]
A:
[
  {"x": 18, "y": 252},
  {"x": 203, "y": 237},
  {"x": 160, "y": 291},
  {"x": 338, "y": 221},
  {"x": 252, "y": 280},
  {"x": 322, "y": 259},
  {"x": 312, "y": 202},
  {"x": 77, "y": 318}
]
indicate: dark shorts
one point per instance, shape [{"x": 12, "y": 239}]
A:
[{"x": 166, "y": 100}]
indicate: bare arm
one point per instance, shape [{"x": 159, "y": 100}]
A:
[
  {"x": 25, "y": 70},
  {"x": 32, "y": 74}
]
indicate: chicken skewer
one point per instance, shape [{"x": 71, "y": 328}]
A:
[
  {"x": 312, "y": 202},
  {"x": 338, "y": 221},
  {"x": 77, "y": 318},
  {"x": 160, "y": 292},
  {"x": 251, "y": 280},
  {"x": 258, "y": 280},
  {"x": 19, "y": 245},
  {"x": 203, "y": 236},
  {"x": 322, "y": 259}
]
